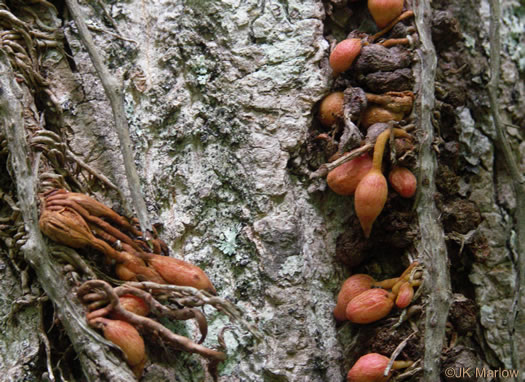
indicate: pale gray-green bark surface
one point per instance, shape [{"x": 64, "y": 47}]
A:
[{"x": 220, "y": 98}]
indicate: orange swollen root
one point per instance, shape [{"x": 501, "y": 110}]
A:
[
  {"x": 132, "y": 304},
  {"x": 124, "y": 273},
  {"x": 90, "y": 205},
  {"x": 385, "y": 11},
  {"x": 133, "y": 268},
  {"x": 378, "y": 114},
  {"x": 370, "y": 198},
  {"x": 405, "y": 295},
  {"x": 371, "y": 368},
  {"x": 370, "y": 306},
  {"x": 344, "y": 54},
  {"x": 126, "y": 337},
  {"x": 405, "y": 276},
  {"x": 180, "y": 272},
  {"x": 331, "y": 109},
  {"x": 343, "y": 180},
  {"x": 403, "y": 181},
  {"x": 351, "y": 288},
  {"x": 372, "y": 191},
  {"x": 66, "y": 226},
  {"x": 358, "y": 302}
]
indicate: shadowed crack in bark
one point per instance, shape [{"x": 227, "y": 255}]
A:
[
  {"x": 432, "y": 245},
  {"x": 98, "y": 362}
]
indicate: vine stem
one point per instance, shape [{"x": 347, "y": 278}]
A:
[
  {"x": 98, "y": 363},
  {"x": 518, "y": 181},
  {"x": 401, "y": 17},
  {"x": 114, "y": 92},
  {"x": 396, "y": 353},
  {"x": 431, "y": 246}
]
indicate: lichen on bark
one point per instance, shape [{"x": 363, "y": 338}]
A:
[{"x": 220, "y": 98}]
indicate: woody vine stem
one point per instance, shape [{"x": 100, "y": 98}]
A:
[
  {"x": 431, "y": 247},
  {"x": 97, "y": 364},
  {"x": 113, "y": 91}
]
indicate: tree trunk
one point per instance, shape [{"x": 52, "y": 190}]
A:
[{"x": 221, "y": 100}]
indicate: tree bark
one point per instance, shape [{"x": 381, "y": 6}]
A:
[{"x": 221, "y": 99}]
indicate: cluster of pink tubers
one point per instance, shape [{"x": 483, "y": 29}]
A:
[
  {"x": 362, "y": 300},
  {"x": 345, "y": 52},
  {"x": 364, "y": 178},
  {"x": 79, "y": 221}
]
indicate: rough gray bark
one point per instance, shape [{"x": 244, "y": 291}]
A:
[
  {"x": 219, "y": 97},
  {"x": 518, "y": 180}
]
